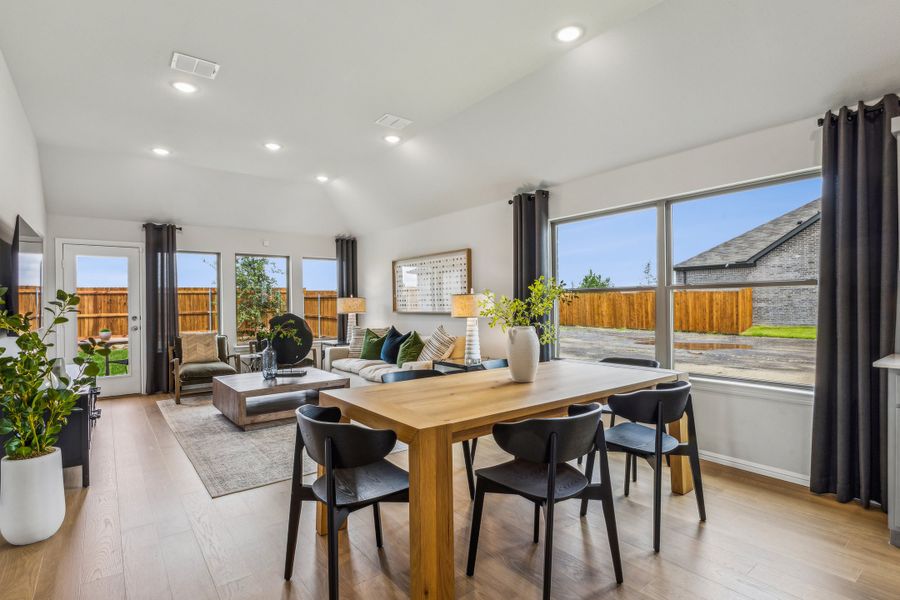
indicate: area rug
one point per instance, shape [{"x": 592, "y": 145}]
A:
[
  {"x": 230, "y": 460},
  {"x": 227, "y": 459}
]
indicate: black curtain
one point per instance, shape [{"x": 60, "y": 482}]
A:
[
  {"x": 857, "y": 302},
  {"x": 345, "y": 251},
  {"x": 531, "y": 237},
  {"x": 162, "y": 303}
]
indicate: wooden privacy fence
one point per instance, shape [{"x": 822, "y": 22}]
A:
[
  {"x": 320, "y": 308},
  {"x": 198, "y": 310},
  {"x": 700, "y": 311}
]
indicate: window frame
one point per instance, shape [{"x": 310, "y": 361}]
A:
[
  {"x": 287, "y": 283},
  {"x": 665, "y": 285},
  {"x": 218, "y": 256}
]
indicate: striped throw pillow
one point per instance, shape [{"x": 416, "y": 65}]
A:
[
  {"x": 437, "y": 345},
  {"x": 357, "y": 335}
]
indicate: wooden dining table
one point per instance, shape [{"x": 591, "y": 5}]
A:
[{"x": 431, "y": 414}]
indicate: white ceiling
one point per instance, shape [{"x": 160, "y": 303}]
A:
[{"x": 496, "y": 102}]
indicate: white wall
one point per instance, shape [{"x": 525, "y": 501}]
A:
[
  {"x": 760, "y": 428},
  {"x": 20, "y": 173},
  {"x": 226, "y": 241}
]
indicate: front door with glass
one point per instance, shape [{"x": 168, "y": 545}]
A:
[{"x": 107, "y": 278}]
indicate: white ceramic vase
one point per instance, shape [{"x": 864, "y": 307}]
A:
[
  {"x": 523, "y": 351},
  {"x": 32, "y": 499}
]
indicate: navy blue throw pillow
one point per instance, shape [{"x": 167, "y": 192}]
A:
[{"x": 391, "y": 348}]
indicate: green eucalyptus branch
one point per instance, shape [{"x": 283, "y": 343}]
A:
[{"x": 543, "y": 294}]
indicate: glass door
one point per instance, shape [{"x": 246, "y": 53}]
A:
[{"x": 107, "y": 278}]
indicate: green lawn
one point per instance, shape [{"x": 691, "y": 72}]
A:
[
  {"x": 114, "y": 368},
  {"x": 800, "y": 332}
]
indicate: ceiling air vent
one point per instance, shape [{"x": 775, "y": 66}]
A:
[
  {"x": 194, "y": 66},
  {"x": 393, "y": 121}
]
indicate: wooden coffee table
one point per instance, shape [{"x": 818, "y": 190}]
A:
[{"x": 248, "y": 399}]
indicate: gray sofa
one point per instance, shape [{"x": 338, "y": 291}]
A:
[{"x": 367, "y": 372}]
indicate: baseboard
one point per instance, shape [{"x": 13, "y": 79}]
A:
[{"x": 759, "y": 469}]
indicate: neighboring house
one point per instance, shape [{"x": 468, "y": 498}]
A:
[{"x": 785, "y": 248}]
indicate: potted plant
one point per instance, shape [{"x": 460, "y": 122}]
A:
[
  {"x": 521, "y": 320},
  {"x": 105, "y": 334},
  {"x": 36, "y": 404}
]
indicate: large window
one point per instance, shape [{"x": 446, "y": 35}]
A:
[
  {"x": 261, "y": 290},
  {"x": 198, "y": 291},
  {"x": 610, "y": 262},
  {"x": 320, "y": 296},
  {"x": 739, "y": 283}
]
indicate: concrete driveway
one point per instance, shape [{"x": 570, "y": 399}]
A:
[{"x": 776, "y": 360}]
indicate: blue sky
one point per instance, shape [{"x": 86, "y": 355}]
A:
[
  {"x": 618, "y": 246},
  {"x": 194, "y": 270}
]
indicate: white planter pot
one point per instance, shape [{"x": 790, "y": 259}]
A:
[
  {"x": 523, "y": 350},
  {"x": 32, "y": 499}
]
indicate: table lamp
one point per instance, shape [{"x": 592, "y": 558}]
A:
[
  {"x": 350, "y": 307},
  {"x": 468, "y": 306}
]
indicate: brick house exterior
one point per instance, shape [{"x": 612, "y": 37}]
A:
[{"x": 785, "y": 248}]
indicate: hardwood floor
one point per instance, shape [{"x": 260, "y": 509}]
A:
[{"x": 146, "y": 528}]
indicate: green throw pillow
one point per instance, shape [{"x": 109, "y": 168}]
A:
[
  {"x": 410, "y": 349},
  {"x": 371, "y": 347}
]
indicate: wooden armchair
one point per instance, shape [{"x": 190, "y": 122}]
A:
[{"x": 201, "y": 373}]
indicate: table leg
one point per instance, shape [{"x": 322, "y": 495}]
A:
[
  {"x": 682, "y": 481},
  {"x": 431, "y": 514}
]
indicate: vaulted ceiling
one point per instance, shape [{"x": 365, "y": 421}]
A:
[{"x": 495, "y": 101}]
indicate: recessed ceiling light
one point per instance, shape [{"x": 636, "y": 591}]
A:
[
  {"x": 161, "y": 152},
  {"x": 322, "y": 178},
  {"x": 184, "y": 87},
  {"x": 569, "y": 34},
  {"x": 392, "y": 139},
  {"x": 273, "y": 146}
]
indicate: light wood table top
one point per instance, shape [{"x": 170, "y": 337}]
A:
[{"x": 430, "y": 414}]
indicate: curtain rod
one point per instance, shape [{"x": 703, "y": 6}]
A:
[
  {"x": 176, "y": 228},
  {"x": 868, "y": 109}
]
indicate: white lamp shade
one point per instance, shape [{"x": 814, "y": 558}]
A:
[
  {"x": 465, "y": 305},
  {"x": 353, "y": 304}
]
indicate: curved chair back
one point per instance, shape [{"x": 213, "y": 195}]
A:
[
  {"x": 634, "y": 362},
  {"x": 289, "y": 351},
  {"x": 644, "y": 406},
  {"x": 531, "y": 440},
  {"x": 495, "y": 363},
  {"x": 351, "y": 445},
  {"x": 409, "y": 374}
]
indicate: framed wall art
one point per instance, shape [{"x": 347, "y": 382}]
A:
[{"x": 424, "y": 284}]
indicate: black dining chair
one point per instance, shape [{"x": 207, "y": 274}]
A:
[
  {"x": 668, "y": 403},
  {"x": 633, "y": 362},
  {"x": 487, "y": 365},
  {"x": 468, "y": 450},
  {"x": 539, "y": 473},
  {"x": 356, "y": 476}
]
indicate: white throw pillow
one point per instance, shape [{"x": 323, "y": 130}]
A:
[{"x": 438, "y": 345}]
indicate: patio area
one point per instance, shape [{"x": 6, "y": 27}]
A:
[{"x": 779, "y": 360}]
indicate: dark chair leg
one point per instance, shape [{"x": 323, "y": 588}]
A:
[
  {"x": 589, "y": 472},
  {"x": 332, "y": 556},
  {"x": 294, "y": 512},
  {"x": 377, "y": 510},
  {"x": 537, "y": 522},
  {"x": 657, "y": 501},
  {"x": 548, "y": 550},
  {"x": 698, "y": 481},
  {"x": 609, "y": 515},
  {"x": 627, "y": 472},
  {"x": 470, "y": 475},
  {"x": 612, "y": 420},
  {"x": 580, "y": 460},
  {"x": 474, "y": 446},
  {"x": 634, "y": 467},
  {"x": 476, "y": 527}
]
